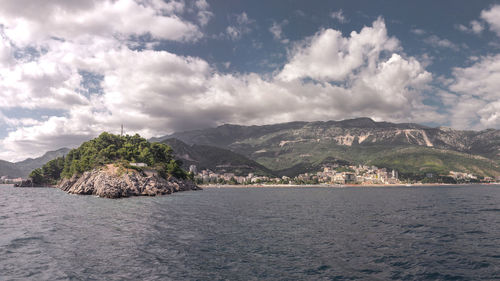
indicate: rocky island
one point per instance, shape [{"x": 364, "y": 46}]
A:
[{"x": 113, "y": 166}]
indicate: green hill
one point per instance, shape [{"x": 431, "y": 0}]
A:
[
  {"x": 215, "y": 159},
  {"x": 419, "y": 160},
  {"x": 23, "y": 168},
  {"x": 110, "y": 149},
  {"x": 30, "y": 164},
  {"x": 10, "y": 170}
]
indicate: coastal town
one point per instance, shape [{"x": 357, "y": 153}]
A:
[{"x": 333, "y": 174}]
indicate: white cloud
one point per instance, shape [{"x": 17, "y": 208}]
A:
[
  {"x": 339, "y": 16},
  {"x": 418, "y": 31},
  {"x": 204, "y": 13},
  {"x": 50, "y": 79},
  {"x": 6, "y": 56},
  {"x": 492, "y": 17},
  {"x": 476, "y": 27},
  {"x": 438, "y": 42},
  {"x": 276, "y": 30},
  {"x": 25, "y": 23},
  {"x": 462, "y": 27},
  {"x": 56, "y": 132},
  {"x": 39, "y": 84},
  {"x": 202, "y": 4},
  {"x": 240, "y": 27},
  {"x": 233, "y": 32},
  {"x": 480, "y": 79},
  {"x": 243, "y": 19},
  {"x": 205, "y": 17},
  {"x": 477, "y": 91},
  {"x": 327, "y": 56}
]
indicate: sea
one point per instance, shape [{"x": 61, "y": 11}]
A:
[{"x": 291, "y": 233}]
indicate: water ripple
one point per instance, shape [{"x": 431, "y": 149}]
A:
[{"x": 420, "y": 233}]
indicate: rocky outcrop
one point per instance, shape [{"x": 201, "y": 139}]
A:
[
  {"x": 25, "y": 183},
  {"x": 109, "y": 183}
]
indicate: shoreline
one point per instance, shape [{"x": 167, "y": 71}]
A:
[{"x": 336, "y": 185}]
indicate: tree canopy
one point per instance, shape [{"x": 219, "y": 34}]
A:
[{"x": 107, "y": 149}]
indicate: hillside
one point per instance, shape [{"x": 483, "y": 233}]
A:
[
  {"x": 23, "y": 168},
  {"x": 10, "y": 170},
  {"x": 300, "y": 146},
  {"x": 215, "y": 159},
  {"x": 30, "y": 164}
]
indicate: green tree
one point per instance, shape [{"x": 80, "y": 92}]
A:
[
  {"x": 109, "y": 148},
  {"x": 36, "y": 176},
  {"x": 174, "y": 169}
]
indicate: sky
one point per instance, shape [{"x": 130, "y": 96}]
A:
[{"x": 70, "y": 69}]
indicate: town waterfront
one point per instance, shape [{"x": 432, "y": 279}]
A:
[{"x": 299, "y": 233}]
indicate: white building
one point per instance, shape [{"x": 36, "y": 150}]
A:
[{"x": 193, "y": 169}]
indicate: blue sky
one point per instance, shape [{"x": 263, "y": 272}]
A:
[
  {"x": 71, "y": 69},
  {"x": 439, "y": 18}
]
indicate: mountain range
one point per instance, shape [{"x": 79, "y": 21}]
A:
[
  {"x": 24, "y": 168},
  {"x": 297, "y": 147}
]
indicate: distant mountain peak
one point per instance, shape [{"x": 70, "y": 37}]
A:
[
  {"x": 359, "y": 122},
  {"x": 26, "y": 166}
]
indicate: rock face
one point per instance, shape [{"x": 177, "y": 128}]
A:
[{"x": 108, "y": 183}]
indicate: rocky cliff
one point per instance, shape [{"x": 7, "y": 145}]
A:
[{"x": 110, "y": 182}]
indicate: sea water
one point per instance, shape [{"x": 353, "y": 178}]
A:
[{"x": 355, "y": 233}]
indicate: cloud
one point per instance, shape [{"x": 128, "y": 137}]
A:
[
  {"x": 418, "y": 31},
  {"x": 328, "y": 56},
  {"x": 339, "y": 16},
  {"x": 476, "y": 89},
  {"x": 56, "y": 132},
  {"x": 276, "y": 30},
  {"x": 438, "y": 42},
  {"x": 476, "y": 27},
  {"x": 479, "y": 79},
  {"x": 155, "y": 92},
  {"x": 243, "y": 19},
  {"x": 240, "y": 27},
  {"x": 204, "y": 13},
  {"x": 42, "y": 83},
  {"x": 6, "y": 52},
  {"x": 27, "y": 22},
  {"x": 492, "y": 17}
]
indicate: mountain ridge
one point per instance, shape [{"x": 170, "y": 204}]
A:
[
  {"x": 284, "y": 146},
  {"x": 215, "y": 159},
  {"x": 435, "y": 135},
  {"x": 24, "y": 167}
]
